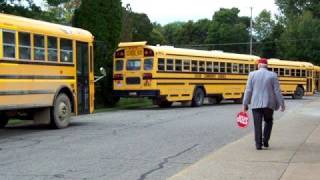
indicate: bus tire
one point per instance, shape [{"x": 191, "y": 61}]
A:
[
  {"x": 61, "y": 112},
  {"x": 164, "y": 104},
  {"x": 3, "y": 120},
  {"x": 298, "y": 94},
  {"x": 198, "y": 98}
]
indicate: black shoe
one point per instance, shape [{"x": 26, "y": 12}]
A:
[
  {"x": 265, "y": 144},
  {"x": 259, "y": 148}
]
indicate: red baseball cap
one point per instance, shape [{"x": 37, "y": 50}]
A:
[{"x": 263, "y": 61}]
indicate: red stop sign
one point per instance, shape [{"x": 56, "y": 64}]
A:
[{"x": 242, "y": 119}]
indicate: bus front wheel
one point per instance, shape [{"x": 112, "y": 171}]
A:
[
  {"x": 298, "y": 94},
  {"x": 3, "y": 120},
  {"x": 61, "y": 112},
  {"x": 198, "y": 98}
]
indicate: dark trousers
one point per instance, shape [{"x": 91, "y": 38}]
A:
[{"x": 259, "y": 115}]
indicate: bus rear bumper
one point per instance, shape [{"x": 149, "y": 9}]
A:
[{"x": 137, "y": 93}]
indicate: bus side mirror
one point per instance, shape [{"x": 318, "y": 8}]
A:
[
  {"x": 103, "y": 71},
  {"x": 104, "y": 74}
]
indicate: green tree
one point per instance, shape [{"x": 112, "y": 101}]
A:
[
  {"x": 171, "y": 31},
  {"x": 103, "y": 19},
  {"x": 292, "y": 8},
  {"x": 263, "y": 25},
  {"x": 227, "y": 27},
  {"x": 300, "y": 40}
]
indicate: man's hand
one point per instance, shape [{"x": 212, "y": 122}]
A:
[
  {"x": 244, "y": 108},
  {"x": 282, "y": 108}
]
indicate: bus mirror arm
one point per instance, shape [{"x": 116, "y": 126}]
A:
[{"x": 104, "y": 74}]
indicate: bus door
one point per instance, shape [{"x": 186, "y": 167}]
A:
[
  {"x": 309, "y": 82},
  {"x": 83, "y": 78}
]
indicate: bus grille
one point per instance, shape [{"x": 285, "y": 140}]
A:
[{"x": 133, "y": 80}]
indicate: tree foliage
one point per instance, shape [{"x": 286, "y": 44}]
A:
[
  {"x": 103, "y": 19},
  {"x": 228, "y": 27}
]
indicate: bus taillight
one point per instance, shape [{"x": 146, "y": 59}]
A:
[
  {"x": 118, "y": 77},
  {"x": 148, "y": 52},
  {"x": 147, "y": 76}
]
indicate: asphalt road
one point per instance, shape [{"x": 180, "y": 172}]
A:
[{"x": 137, "y": 144}]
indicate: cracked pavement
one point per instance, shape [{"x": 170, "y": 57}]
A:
[{"x": 138, "y": 144}]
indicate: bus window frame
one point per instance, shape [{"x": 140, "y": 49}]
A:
[
  {"x": 52, "y": 49},
  {"x": 287, "y": 72},
  {"x": 222, "y": 67},
  {"x": 183, "y": 65},
  {"x": 172, "y": 65},
  {"x": 24, "y": 46},
  {"x": 179, "y": 65},
  {"x": 237, "y": 68},
  {"x": 64, "y": 50},
  {"x": 201, "y": 66},
  {"x": 34, "y": 48},
  {"x": 6, "y": 44},
  {"x": 216, "y": 64},
  {"x": 144, "y": 63},
  {"x": 196, "y": 66},
  {"x": 164, "y": 64},
  {"x": 115, "y": 65},
  {"x": 209, "y": 65}
]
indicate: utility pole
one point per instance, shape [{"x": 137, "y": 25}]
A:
[{"x": 251, "y": 31}]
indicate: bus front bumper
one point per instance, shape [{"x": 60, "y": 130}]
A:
[{"x": 137, "y": 93}]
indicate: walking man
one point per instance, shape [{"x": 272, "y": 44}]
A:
[{"x": 264, "y": 94}]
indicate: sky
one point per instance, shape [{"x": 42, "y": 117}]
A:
[{"x": 167, "y": 11}]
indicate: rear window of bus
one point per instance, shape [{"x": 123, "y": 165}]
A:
[
  {"x": 133, "y": 64},
  {"x": 119, "y": 65}
]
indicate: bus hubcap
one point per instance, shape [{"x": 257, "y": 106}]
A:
[{"x": 63, "y": 111}]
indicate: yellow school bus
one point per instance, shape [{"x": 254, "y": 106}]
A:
[
  {"x": 167, "y": 74},
  {"x": 316, "y": 77},
  {"x": 46, "y": 71},
  {"x": 296, "y": 78}
]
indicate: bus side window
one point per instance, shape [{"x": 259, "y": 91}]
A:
[
  {"x": 169, "y": 64},
  {"x": 298, "y": 72},
  {"x": 178, "y": 65},
  {"x": 246, "y": 69},
  {"x": 39, "y": 48},
  {"x": 161, "y": 64},
  {"x": 303, "y": 73},
  {"x": 241, "y": 68},
  {"x": 186, "y": 65},
  {"x": 222, "y": 67},
  {"x": 281, "y": 72},
  {"x": 216, "y": 67},
  {"x": 209, "y": 66},
  {"x": 52, "y": 49},
  {"x": 201, "y": 66},
  {"x": 9, "y": 44},
  {"x": 287, "y": 72},
  {"x": 66, "y": 51},
  {"x": 276, "y": 70},
  {"x": 235, "y": 68},
  {"x": 229, "y": 67},
  {"x": 252, "y": 68},
  {"x": 194, "y": 65},
  {"x": 293, "y": 72},
  {"x": 24, "y": 46}
]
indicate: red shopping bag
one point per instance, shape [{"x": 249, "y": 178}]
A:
[{"x": 242, "y": 119}]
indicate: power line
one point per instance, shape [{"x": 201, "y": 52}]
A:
[{"x": 246, "y": 43}]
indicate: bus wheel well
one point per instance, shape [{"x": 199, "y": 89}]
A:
[
  {"x": 202, "y": 88},
  {"x": 67, "y": 92},
  {"x": 301, "y": 86}
]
